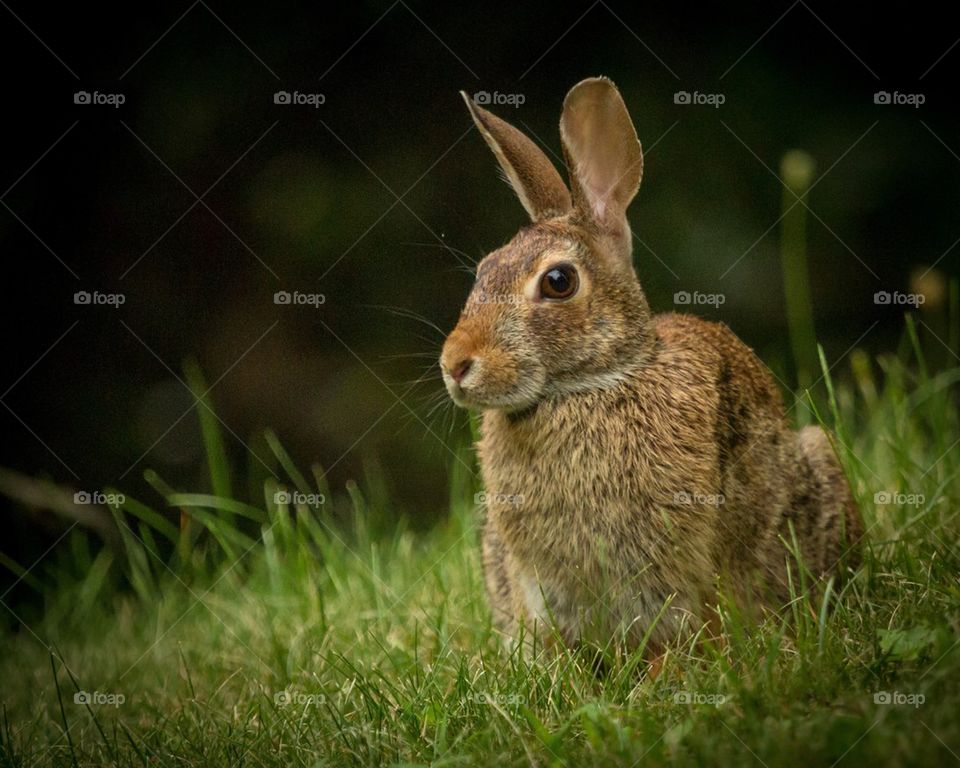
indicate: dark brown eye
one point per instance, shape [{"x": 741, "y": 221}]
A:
[{"x": 559, "y": 282}]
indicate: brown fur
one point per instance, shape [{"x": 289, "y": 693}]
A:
[{"x": 630, "y": 461}]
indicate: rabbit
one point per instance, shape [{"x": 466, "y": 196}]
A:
[{"x": 634, "y": 464}]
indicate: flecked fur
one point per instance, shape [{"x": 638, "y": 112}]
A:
[{"x": 630, "y": 461}]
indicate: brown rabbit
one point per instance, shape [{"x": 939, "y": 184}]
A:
[{"x": 632, "y": 462}]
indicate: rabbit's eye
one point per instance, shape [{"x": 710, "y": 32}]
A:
[{"x": 559, "y": 282}]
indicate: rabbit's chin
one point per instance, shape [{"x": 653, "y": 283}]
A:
[
  {"x": 480, "y": 391},
  {"x": 530, "y": 392},
  {"x": 518, "y": 399},
  {"x": 508, "y": 404}
]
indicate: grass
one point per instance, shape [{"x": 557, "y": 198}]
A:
[{"x": 268, "y": 634}]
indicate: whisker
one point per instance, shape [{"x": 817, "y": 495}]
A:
[
  {"x": 418, "y": 380},
  {"x": 408, "y": 354},
  {"x": 445, "y": 247},
  {"x": 410, "y": 315}
]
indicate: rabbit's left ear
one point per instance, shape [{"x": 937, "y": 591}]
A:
[
  {"x": 602, "y": 151},
  {"x": 531, "y": 174}
]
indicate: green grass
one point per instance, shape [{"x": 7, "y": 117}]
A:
[{"x": 260, "y": 635}]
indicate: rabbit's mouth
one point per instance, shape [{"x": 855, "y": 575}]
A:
[
  {"x": 508, "y": 402},
  {"x": 477, "y": 390}
]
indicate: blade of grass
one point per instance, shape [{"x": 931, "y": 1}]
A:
[
  {"x": 230, "y": 539},
  {"x": 797, "y": 168},
  {"x": 63, "y": 713},
  {"x": 141, "y": 574},
  {"x": 286, "y": 462},
  {"x": 210, "y": 429},
  {"x": 231, "y": 506},
  {"x": 153, "y": 519},
  {"x": 21, "y": 573}
]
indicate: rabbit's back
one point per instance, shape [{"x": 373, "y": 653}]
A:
[{"x": 784, "y": 491}]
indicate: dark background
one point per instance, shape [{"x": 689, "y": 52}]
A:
[{"x": 309, "y": 204}]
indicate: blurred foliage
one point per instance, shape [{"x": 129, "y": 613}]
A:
[{"x": 382, "y": 196}]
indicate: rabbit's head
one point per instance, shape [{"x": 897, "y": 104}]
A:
[{"x": 557, "y": 309}]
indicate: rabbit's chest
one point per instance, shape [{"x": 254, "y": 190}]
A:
[
  {"x": 593, "y": 510},
  {"x": 602, "y": 463},
  {"x": 560, "y": 497}
]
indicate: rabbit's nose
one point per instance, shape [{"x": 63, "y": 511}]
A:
[{"x": 461, "y": 369}]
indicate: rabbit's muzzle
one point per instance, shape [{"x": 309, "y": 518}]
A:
[
  {"x": 457, "y": 363},
  {"x": 479, "y": 373}
]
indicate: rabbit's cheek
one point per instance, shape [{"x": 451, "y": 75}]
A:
[
  {"x": 489, "y": 381},
  {"x": 498, "y": 379},
  {"x": 495, "y": 379},
  {"x": 498, "y": 371}
]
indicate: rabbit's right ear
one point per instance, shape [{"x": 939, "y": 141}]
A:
[
  {"x": 531, "y": 174},
  {"x": 603, "y": 154}
]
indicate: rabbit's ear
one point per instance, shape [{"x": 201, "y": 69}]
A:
[
  {"x": 532, "y": 176},
  {"x": 602, "y": 151}
]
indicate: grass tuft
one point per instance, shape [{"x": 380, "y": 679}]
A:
[{"x": 301, "y": 630}]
